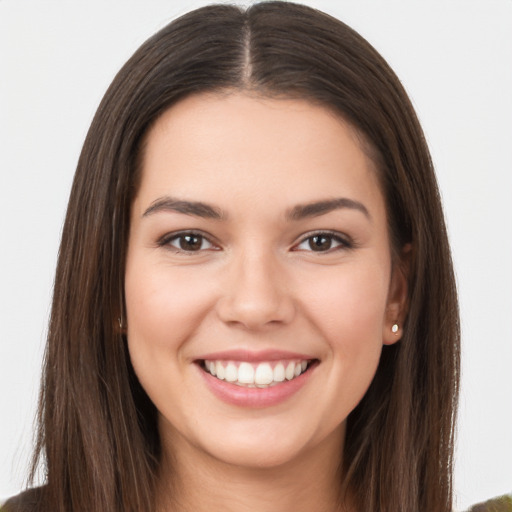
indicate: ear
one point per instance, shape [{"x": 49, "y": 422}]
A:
[{"x": 397, "y": 305}]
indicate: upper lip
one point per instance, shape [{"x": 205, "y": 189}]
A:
[{"x": 254, "y": 356}]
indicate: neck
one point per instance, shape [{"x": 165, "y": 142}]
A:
[{"x": 195, "y": 481}]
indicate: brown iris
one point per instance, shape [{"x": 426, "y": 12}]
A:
[
  {"x": 190, "y": 242},
  {"x": 320, "y": 242}
]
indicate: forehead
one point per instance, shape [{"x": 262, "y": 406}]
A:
[{"x": 218, "y": 147}]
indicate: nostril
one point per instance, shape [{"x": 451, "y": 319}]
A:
[{"x": 253, "y": 312}]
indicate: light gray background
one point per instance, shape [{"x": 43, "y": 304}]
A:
[{"x": 454, "y": 58}]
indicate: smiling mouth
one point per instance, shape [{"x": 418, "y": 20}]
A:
[{"x": 256, "y": 375}]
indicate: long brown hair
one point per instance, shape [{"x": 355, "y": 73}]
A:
[{"x": 98, "y": 435}]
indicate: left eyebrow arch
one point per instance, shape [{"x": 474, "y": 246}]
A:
[
  {"x": 317, "y": 208},
  {"x": 194, "y": 208}
]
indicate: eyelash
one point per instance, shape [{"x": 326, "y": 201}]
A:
[
  {"x": 166, "y": 240},
  {"x": 343, "y": 242}
]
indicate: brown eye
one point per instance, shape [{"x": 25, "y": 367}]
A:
[
  {"x": 324, "y": 242},
  {"x": 188, "y": 242},
  {"x": 320, "y": 242}
]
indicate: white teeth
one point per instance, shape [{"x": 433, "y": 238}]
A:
[
  {"x": 279, "y": 372},
  {"x": 231, "y": 373},
  {"x": 219, "y": 369},
  {"x": 290, "y": 371},
  {"x": 264, "y": 374},
  {"x": 245, "y": 373},
  {"x": 251, "y": 375}
]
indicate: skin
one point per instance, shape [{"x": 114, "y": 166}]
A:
[{"x": 255, "y": 283}]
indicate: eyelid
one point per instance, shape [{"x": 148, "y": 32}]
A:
[
  {"x": 344, "y": 241},
  {"x": 165, "y": 240}
]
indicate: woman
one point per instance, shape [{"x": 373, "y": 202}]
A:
[{"x": 254, "y": 295}]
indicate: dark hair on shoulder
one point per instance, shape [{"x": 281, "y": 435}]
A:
[
  {"x": 98, "y": 438},
  {"x": 27, "y": 501}
]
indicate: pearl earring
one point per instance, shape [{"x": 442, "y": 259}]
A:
[{"x": 394, "y": 328}]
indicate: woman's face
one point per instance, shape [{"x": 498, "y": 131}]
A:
[{"x": 259, "y": 283}]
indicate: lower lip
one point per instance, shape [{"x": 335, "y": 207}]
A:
[{"x": 255, "y": 397}]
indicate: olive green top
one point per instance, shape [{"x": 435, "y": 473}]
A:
[
  {"x": 27, "y": 502},
  {"x": 501, "y": 504}
]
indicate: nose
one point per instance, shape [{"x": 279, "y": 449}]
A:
[{"x": 256, "y": 294}]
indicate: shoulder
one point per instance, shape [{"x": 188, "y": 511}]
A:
[
  {"x": 27, "y": 501},
  {"x": 501, "y": 504}
]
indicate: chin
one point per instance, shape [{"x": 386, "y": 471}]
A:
[
  {"x": 253, "y": 457},
  {"x": 258, "y": 448}
]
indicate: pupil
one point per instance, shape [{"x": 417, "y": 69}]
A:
[
  {"x": 190, "y": 242},
  {"x": 320, "y": 243}
]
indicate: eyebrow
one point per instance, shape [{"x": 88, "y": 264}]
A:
[
  {"x": 194, "y": 208},
  {"x": 317, "y": 208},
  {"x": 298, "y": 212}
]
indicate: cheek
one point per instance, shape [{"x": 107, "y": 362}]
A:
[
  {"x": 349, "y": 301},
  {"x": 348, "y": 308},
  {"x": 164, "y": 305}
]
